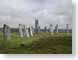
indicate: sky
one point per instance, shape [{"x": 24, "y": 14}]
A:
[{"x": 26, "y": 11}]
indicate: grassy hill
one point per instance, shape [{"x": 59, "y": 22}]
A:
[{"x": 43, "y": 43}]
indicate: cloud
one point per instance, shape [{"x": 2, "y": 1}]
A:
[{"x": 25, "y": 11}]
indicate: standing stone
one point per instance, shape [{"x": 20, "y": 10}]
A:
[
  {"x": 27, "y": 32},
  {"x": 45, "y": 29},
  {"x": 39, "y": 30},
  {"x": 56, "y": 28},
  {"x": 6, "y": 32},
  {"x": 21, "y": 30},
  {"x": 24, "y": 31},
  {"x": 36, "y": 26},
  {"x": 31, "y": 30},
  {"x": 9, "y": 33},
  {"x": 67, "y": 29},
  {"x": 50, "y": 29}
]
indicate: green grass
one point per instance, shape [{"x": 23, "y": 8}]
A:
[{"x": 43, "y": 43}]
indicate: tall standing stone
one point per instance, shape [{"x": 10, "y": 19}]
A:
[
  {"x": 39, "y": 29},
  {"x": 27, "y": 32},
  {"x": 6, "y": 32},
  {"x": 31, "y": 31},
  {"x": 50, "y": 29},
  {"x": 9, "y": 33},
  {"x": 24, "y": 31},
  {"x": 36, "y": 26},
  {"x": 67, "y": 28},
  {"x": 56, "y": 28},
  {"x": 21, "y": 30}
]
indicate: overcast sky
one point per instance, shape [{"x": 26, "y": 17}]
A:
[{"x": 46, "y": 11}]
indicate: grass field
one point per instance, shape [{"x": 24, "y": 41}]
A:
[{"x": 43, "y": 43}]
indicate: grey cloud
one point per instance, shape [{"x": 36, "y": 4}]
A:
[{"x": 25, "y": 11}]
